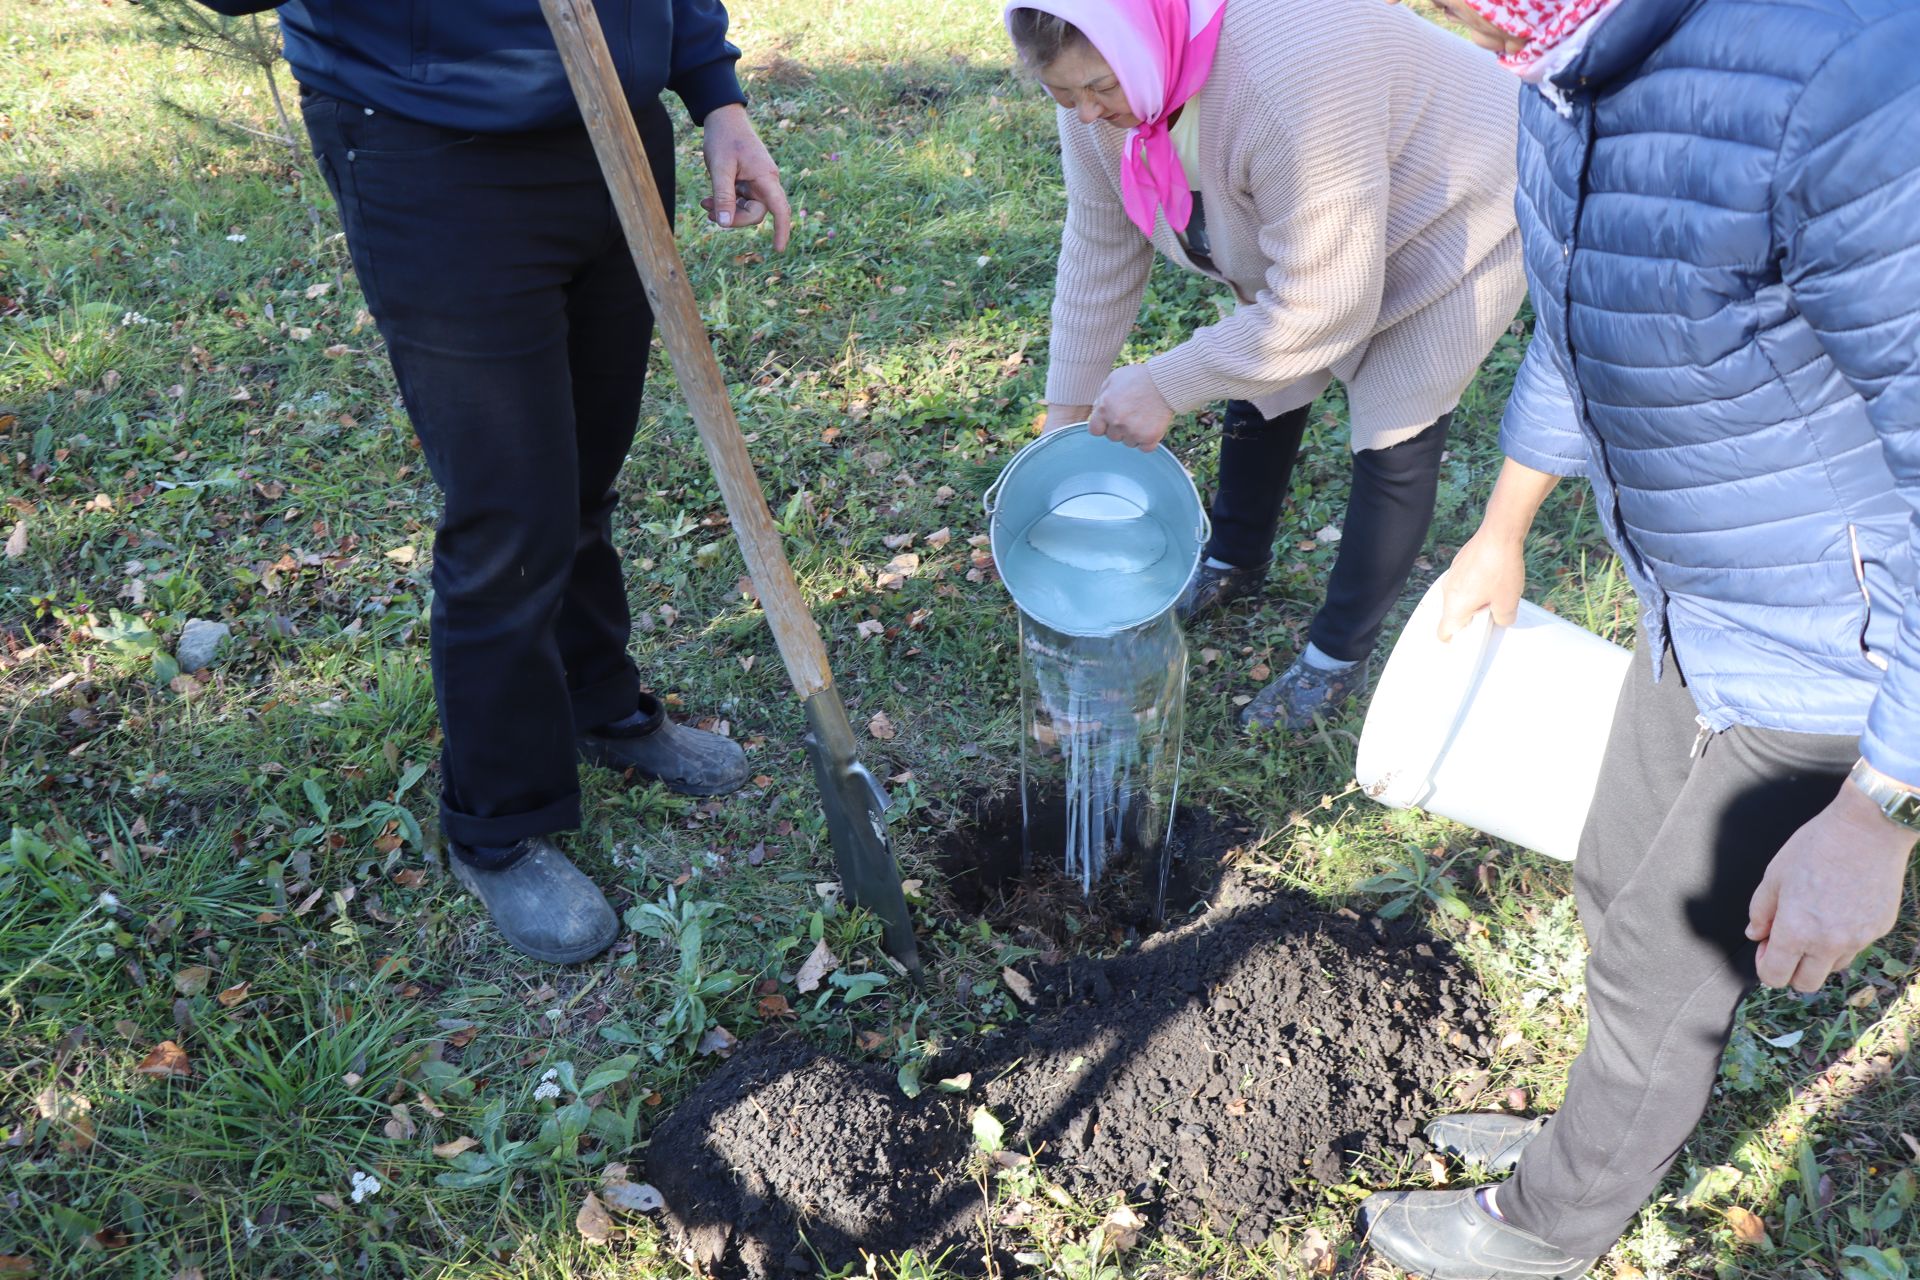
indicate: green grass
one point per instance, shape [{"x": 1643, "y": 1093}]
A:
[{"x": 199, "y": 425}]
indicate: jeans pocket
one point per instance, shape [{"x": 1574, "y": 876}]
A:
[{"x": 373, "y": 134}]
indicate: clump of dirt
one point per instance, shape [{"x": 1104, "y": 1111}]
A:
[
  {"x": 1040, "y": 906},
  {"x": 1215, "y": 1073},
  {"x": 1222, "y": 1069},
  {"x": 789, "y": 1151}
]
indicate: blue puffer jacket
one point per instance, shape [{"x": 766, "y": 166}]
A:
[
  {"x": 1723, "y": 244},
  {"x": 490, "y": 66}
]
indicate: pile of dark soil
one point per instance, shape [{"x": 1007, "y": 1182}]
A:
[
  {"x": 1214, "y": 1073},
  {"x": 787, "y": 1140},
  {"x": 1222, "y": 1069}
]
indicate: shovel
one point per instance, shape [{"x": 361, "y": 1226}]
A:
[{"x": 854, "y": 801}]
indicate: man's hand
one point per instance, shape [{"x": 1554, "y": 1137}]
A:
[
  {"x": 1064, "y": 415},
  {"x": 1832, "y": 890},
  {"x": 746, "y": 182},
  {"x": 1131, "y": 410}
]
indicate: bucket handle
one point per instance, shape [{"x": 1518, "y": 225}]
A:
[{"x": 989, "y": 501}]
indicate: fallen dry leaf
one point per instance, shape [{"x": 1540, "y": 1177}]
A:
[
  {"x": 943, "y": 495},
  {"x": 871, "y": 1041},
  {"x": 897, "y": 542},
  {"x": 166, "y": 1059},
  {"x": 400, "y": 1125},
  {"x": 448, "y": 1150},
  {"x": 881, "y": 727},
  {"x": 632, "y": 1197},
  {"x": 16, "y": 1266},
  {"x": 403, "y": 555},
  {"x": 17, "y": 540},
  {"x": 192, "y": 980},
  {"x": 71, "y": 1114},
  {"x": 819, "y": 963},
  {"x": 1018, "y": 984},
  {"x": 939, "y": 538},
  {"x": 868, "y": 628},
  {"x": 234, "y": 994},
  {"x": 719, "y": 1040},
  {"x": 593, "y": 1222},
  {"x": 1317, "y": 1253},
  {"x": 1123, "y": 1228},
  {"x": 1627, "y": 1271},
  {"x": 1747, "y": 1226},
  {"x": 775, "y": 1006}
]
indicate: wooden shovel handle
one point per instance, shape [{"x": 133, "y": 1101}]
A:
[{"x": 603, "y": 105}]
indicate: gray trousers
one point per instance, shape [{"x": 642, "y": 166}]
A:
[{"x": 1680, "y": 833}]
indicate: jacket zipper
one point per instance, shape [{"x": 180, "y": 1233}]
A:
[{"x": 1700, "y": 739}]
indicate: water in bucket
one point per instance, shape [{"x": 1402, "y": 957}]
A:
[{"x": 1095, "y": 541}]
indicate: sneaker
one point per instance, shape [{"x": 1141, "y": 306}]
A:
[
  {"x": 541, "y": 903},
  {"x": 1215, "y": 585},
  {"x": 1303, "y": 692},
  {"x": 649, "y": 743},
  {"x": 1447, "y": 1235}
]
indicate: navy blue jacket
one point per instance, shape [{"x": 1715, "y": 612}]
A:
[
  {"x": 1723, "y": 246},
  {"x": 490, "y": 65}
]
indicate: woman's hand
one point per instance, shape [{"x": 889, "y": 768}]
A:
[
  {"x": 1064, "y": 415},
  {"x": 746, "y": 182},
  {"x": 1131, "y": 410}
]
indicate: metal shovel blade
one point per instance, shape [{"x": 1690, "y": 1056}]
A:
[{"x": 857, "y": 824}]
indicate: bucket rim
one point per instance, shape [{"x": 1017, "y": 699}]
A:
[{"x": 1202, "y": 526}]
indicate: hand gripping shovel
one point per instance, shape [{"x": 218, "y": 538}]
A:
[{"x": 854, "y": 802}]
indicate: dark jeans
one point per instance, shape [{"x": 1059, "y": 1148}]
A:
[
  {"x": 1674, "y": 847},
  {"x": 519, "y": 333},
  {"x": 1388, "y": 514}
]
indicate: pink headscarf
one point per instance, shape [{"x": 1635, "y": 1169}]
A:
[
  {"x": 1554, "y": 30},
  {"x": 1161, "y": 52}
]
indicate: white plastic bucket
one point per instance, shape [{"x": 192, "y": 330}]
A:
[
  {"x": 1092, "y": 537},
  {"x": 1501, "y": 728}
]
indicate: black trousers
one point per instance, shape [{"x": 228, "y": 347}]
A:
[
  {"x": 519, "y": 333},
  {"x": 1388, "y": 514},
  {"x": 1674, "y": 846}
]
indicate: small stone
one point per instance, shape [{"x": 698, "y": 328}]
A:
[{"x": 200, "y": 640}]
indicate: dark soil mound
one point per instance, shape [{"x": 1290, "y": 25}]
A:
[
  {"x": 1212, "y": 1074},
  {"x": 1219, "y": 1069},
  {"x": 787, "y": 1141}
]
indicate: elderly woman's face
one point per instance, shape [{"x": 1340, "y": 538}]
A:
[{"x": 1081, "y": 81}]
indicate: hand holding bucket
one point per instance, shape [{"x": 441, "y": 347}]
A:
[{"x": 1501, "y": 727}]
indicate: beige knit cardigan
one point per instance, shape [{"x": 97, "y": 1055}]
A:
[{"x": 1357, "y": 167}]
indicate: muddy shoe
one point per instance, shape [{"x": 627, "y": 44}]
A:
[
  {"x": 1490, "y": 1139},
  {"x": 540, "y": 902},
  {"x": 1215, "y": 585},
  {"x": 1446, "y": 1235},
  {"x": 690, "y": 761},
  {"x": 1303, "y": 692}
]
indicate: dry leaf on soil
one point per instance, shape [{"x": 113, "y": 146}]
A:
[
  {"x": 233, "y": 995},
  {"x": 868, "y": 628},
  {"x": 881, "y": 727},
  {"x": 166, "y": 1059},
  {"x": 819, "y": 963},
  {"x": 448, "y": 1150},
  {"x": 1317, "y": 1253},
  {"x": 17, "y": 540},
  {"x": 400, "y": 1125},
  {"x": 71, "y": 1114},
  {"x": 192, "y": 980},
  {"x": 1123, "y": 1227},
  {"x": 593, "y": 1222},
  {"x": 632, "y": 1197},
  {"x": 1018, "y": 984},
  {"x": 719, "y": 1040}
]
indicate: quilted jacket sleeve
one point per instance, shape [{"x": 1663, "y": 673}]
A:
[
  {"x": 1845, "y": 196},
  {"x": 1538, "y": 429}
]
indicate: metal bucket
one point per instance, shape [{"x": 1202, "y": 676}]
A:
[{"x": 1091, "y": 537}]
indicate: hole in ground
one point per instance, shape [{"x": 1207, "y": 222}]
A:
[{"x": 982, "y": 858}]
